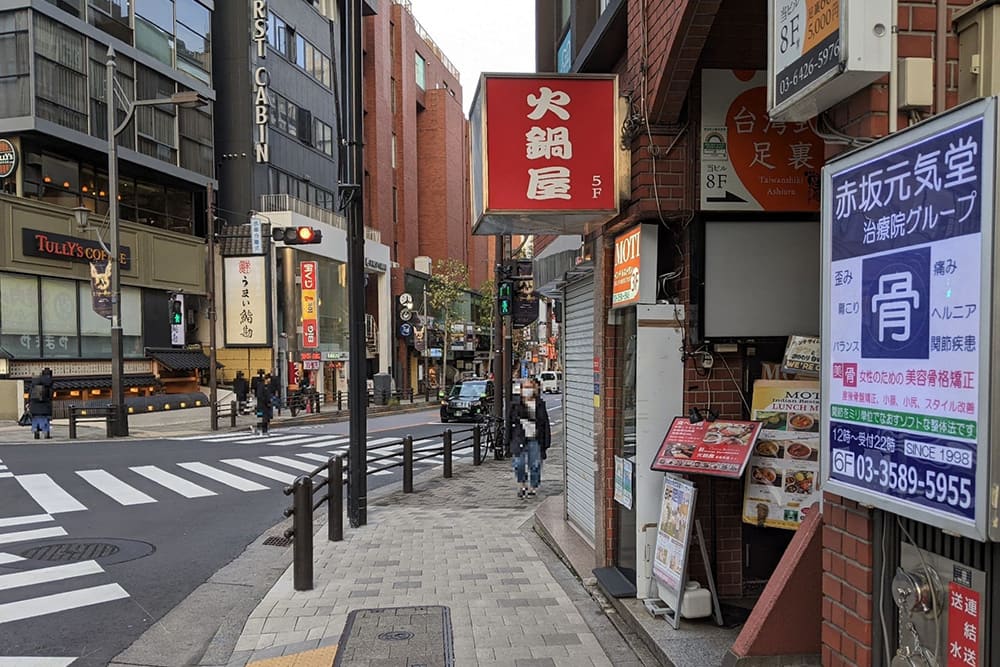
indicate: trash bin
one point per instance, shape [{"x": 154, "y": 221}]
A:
[{"x": 382, "y": 386}]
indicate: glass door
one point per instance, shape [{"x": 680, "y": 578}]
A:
[{"x": 625, "y": 543}]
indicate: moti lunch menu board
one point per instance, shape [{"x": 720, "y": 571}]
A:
[{"x": 719, "y": 448}]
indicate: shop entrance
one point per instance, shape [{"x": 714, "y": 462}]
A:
[{"x": 625, "y": 524}]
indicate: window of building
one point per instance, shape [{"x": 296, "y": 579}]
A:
[
  {"x": 15, "y": 85},
  {"x": 125, "y": 76},
  {"x": 59, "y": 319},
  {"x": 393, "y": 148},
  {"x": 395, "y": 205},
  {"x": 421, "y": 68},
  {"x": 196, "y": 140},
  {"x": 154, "y": 29},
  {"x": 156, "y": 127},
  {"x": 19, "y": 330},
  {"x": 111, "y": 16},
  {"x": 277, "y": 33},
  {"x": 392, "y": 96},
  {"x": 70, "y": 6},
  {"x": 194, "y": 27},
  {"x": 323, "y": 136},
  {"x": 95, "y": 331},
  {"x": 60, "y": 74}
]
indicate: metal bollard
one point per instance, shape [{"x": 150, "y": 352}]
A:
[
  {"x": 410, "y": 392},
  {"x": 335, "y": 499},
  {"x": 477, "y": 445},
  {"x": 233, "y": 409},
  {"x": 317, "y": 399},
  {"x": 302, "y": 544},
  {"x": 72, "y": 422},
  {"x": 340, "y": 400},
  {"x": 447, "y": 453},
  {"x": 408, "y": 464},
  {"x": 110, "y": 420}
]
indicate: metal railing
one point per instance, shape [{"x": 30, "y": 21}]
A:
[
  {"x": 284, "y": 202},
  {"x": 92, "y": 414},
  {"x": 303, "y": 490},
  {"x": 424, "y": 35}
]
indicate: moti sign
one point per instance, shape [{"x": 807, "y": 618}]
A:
[{"x": 544, "y": 153}]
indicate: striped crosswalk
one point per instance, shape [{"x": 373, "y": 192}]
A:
[
  {"x": 141, "y": 485},
  {"x": 64, "y": 586}
]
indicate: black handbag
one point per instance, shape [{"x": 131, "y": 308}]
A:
[{"x": 25, "y": 419}]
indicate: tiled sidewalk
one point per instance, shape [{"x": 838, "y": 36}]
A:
[{"x": 461, "y": 543}]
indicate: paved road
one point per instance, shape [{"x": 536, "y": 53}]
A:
[{"x": 100, "y": 540}]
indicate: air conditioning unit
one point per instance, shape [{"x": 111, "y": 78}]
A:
[{"x": 422, "y": 264}]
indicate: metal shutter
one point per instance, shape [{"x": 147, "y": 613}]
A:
[{"x": 578, "y": 424}]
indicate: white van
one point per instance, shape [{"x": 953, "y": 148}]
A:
[{"x": 550, "y": 382}]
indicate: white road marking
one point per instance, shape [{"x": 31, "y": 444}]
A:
[
  {"x": 6, "y": 474},
  {"x": 27, "y": 518},
  {"x": 328, "y": 442},
  {"x": 30, "y": 661},
  {"x": 314, "y": 457},
  {"x": 50, "y": 604},
  {"x": 49, "y": 495},
  {"x": 258, "y": 469},
  {"x": 48, "y": 574},
  {"x": 280, "y": 440},
  {"x": 114, "y": 488},
  {"x": 223, "y": 477},
  {"x": 173, "y": 482},
  {"x": 214, "y": 438},
  {"x": 291, "y": 463},
  {"x": 382, "y": 441},
  {"x": 37, "y": 534},
  {"x": 9, "y": 558}
]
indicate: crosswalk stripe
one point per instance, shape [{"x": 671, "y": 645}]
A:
[
  {"x": 172, "y": 482},
  {"x": 49, "y": 574},
  {"x": 314, "y": 457},
  {"x": 9, "y": 558},
  {"x": 383, "y": 441},
  {"x": 6, "y": 474},
  {"x": 37, "y": 534},
  {"x": 328, "y": 442},
  {"x": 263, "y": 471},
  {"x": 32, "y": 661},
  {"x": 114, "y": 488},
  {"x": 214, "y": 438},
  {"x": 49, "y": 604},
  {"x": 291, "y": 463},
  {"x": 49, "y": 495},
  {"x": 27, "y": 518},
  {"x": 223, "y": 477},
  {"x": 273, "y": 440}
]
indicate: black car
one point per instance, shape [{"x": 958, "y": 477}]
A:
[{"x": 469, "y": 400}]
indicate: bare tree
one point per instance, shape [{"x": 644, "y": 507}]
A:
[{"x": 447, "y": 285}]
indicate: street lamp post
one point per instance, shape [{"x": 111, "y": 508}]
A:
[{"x": 188, "y": 99}]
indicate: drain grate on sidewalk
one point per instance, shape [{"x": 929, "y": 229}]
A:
[{"x": 391, "y": 636}]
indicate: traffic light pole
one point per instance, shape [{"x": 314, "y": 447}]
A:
[{"x": 213, "y": 377}]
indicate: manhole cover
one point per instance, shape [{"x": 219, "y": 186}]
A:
[
  {"x": 106, "y": 551},
  {"x": 276, "y": 541},
  {"x": 68, "y": 552},
  {"x": 420, "y": 636}
]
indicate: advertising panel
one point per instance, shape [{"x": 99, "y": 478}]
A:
[
  {"x": 628, "y": 261},
  {"x": 246, "y": 301},
  {"x": 544, "y": 152},
  {"x": 310, "y": 305},
  {"x": 907, "y": 240},
  {"x": 720, "y": 448},
  {"x": 748, "y": 161},
  {"x": 784, "y": 469},
  {"x": 807, "y": 44},
  {"x": 673, "y": 537}
]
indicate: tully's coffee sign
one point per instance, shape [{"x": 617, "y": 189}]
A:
[
  {"x": 8, "y": 158},
  {"x": 36, "y": 243}
]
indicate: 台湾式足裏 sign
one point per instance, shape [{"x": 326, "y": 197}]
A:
[
  {"x": 748, "y": 161},
  {"x": 907, "y": 238},
  {"x": 544, "y": 152}
]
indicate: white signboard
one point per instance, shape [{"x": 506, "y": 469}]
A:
[
  {"x": 908, "y": 229},
  {"x": 673, "y": 537},
  {"x": 256, "y": 235},
  {"x": 246, "y": 301}
]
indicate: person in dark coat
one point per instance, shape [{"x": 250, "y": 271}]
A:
[
  {"x": 40, "y": 404},
  {"x": 265, "y": 407},
  {"x": 531, "y": 435},
  {"x": 242, "y": 390},
  {"x": 275, "y": 386}
]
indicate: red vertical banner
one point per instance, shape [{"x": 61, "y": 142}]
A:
[
  {"x": 964, "y": 627},
  {"x": 310, "y": 305}
]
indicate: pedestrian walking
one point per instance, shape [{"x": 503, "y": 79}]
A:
[
  {"x": 241, "y": 388},
  {"x": 275, "y": 386},
  {"x": 531, "y": 435},
  {"x": 40, "y": 404},
  {"x": 265, "y": 409}
]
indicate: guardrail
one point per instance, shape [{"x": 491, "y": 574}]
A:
[
  {"x": 224, "y": 410},
  {"x": 303, "y": 489},
  {"x": 374, "y": 397},
  {"x": 92, "y": 414}
]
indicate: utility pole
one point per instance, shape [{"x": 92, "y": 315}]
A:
[
  {"x": 213, "y": 377},
  {"x": 352, "y": 168},
  {"x": 508, "y": 349}
]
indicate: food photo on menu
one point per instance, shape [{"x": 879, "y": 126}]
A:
[{"x": 719, "y": 447}]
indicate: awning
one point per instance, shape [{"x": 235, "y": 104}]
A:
[
  {"x": 180, "y": 360},
  {"x": 82, "y": 382}
]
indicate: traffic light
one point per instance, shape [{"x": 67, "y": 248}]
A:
[
  {"x": 505, "y": 298},
  {"x": 296, "y": 235}
]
